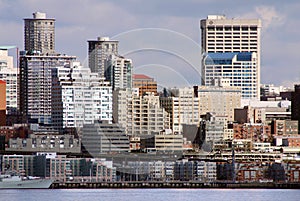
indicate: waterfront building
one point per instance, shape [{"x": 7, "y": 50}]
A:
[
  {"x": 99, "y": 51},
  {"x": 118, "y": 71},
  {"x": 144, "y": 83},
  {"x": 39, "y": 33},
  {"x": 79, "y": 97},
  {"x": 231, "y": 49},
  {"x": 10, "y": 75},
  {"x": 204, "y": 171}
]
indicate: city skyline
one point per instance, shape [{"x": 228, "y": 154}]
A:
[{"x": 83, "y": 21}]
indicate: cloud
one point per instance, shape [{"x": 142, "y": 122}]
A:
[{"x": 268, "y": 14}]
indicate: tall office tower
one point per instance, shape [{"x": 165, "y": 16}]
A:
[
  {"x": 118, "y": 72},
  {"x": 98, "y": 51},
  {"x": 39, "y": 33},
  {"x": 144, "y": 84},
  {"x": 36, "y": 84},
  {"x": 9, "y": 74},
  {"x": 231, "y": 49},
  {"x": 295, "y": 105},
  {"x": 79, "y": 97}
]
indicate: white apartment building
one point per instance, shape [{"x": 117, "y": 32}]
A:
[
  {"x": 79, "y": 97},
  {"x": 118, "y": 71},
  {"x": 233, "y": 46},
  {"x": 10, "y": 75}
]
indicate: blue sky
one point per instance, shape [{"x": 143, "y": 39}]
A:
[{"x": 170, "y": 51}]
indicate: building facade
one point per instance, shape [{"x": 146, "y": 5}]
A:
[
  {"x": 79, "y": 97},
  {"x": 219, "y": 100},
  {"x": 39, "y": 33},
  {"x": 98, "y": 51},
  {"x": 102, "y": 137},
  {"x": 118, "y": 71},
  {"x": 36, "y": 84},
  {"x": 144, "y": 83},
  {"x": 183, "y": 108},
  {"x": 221, "y": 39},
  {"x": 10, "y": 75}
]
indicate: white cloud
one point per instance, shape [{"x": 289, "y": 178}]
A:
[{"x": 268, "y": 14}]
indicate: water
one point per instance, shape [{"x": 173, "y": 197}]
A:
[{"x": 151, "y": 194}]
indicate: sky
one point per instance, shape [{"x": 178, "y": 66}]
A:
[{"x": 162, "y": 37}]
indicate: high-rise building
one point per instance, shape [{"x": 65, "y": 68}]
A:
[
  {"x": 39, "y": 33},
  {"x": 79, "y": 97},
  {"x": 98, "y": 51},
  {"x": 118, "y": 72},
  {"x": 36, "y": 64},
  {"x": 36, "y": 84},
  {"x": 231, "y": 49},
  {"x": 9, "y": 74}
]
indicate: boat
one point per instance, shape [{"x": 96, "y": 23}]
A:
[{"x": 12, "y": 181}]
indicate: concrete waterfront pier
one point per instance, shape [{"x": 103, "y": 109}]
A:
[{"x": 176, "y": 184}]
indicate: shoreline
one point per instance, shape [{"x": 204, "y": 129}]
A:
[{"x": 192, "y": 185}]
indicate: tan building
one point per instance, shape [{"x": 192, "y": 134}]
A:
[
  {"x": 39, "y": 33},
  {"x": 231, "y": 49},
  {"x": 183, "y": 107},
  {"x": 219, "y": 100},
  {"x": 144, "y": 84},
  {"x": 145, "y": 115}
]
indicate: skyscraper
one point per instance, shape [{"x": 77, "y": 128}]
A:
[
  {"x": 118, "y": 72},
  {"x": 98, "y": 51},
  {"x": 36, "y": 63},
  {"x": 39, "y": 33},
  {"x": 231, "y": 49},
  {"x": 36, "y": 84}
]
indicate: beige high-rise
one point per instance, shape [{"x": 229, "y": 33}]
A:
[
  {"x": 241, "y": 37},
  {"x": 39, "y": 33}
]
